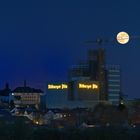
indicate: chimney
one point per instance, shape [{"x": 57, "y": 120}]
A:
[
  {"x": 24, "y": 83},
  {"x": 7, "y": 86}
]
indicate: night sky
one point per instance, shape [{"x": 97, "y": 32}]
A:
[{"x": 41, "y": 40}]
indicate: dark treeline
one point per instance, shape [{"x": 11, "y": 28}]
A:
[{"x": 22, "y": 131}]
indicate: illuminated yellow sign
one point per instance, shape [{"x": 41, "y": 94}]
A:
[
  {"x": 62, "y": 86},
  {"x": 88, "y": 86}
]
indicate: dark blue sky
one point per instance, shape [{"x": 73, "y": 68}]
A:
[{"x": 40, "y": 40}]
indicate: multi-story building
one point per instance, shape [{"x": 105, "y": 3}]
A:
[
  {"x": 24, "y": 96},
  {"x": 92, "y": 70},
  {"x": 96, "y": 63},
  {"x": 89, "y": 83},
  {"x": 86, "y": 90},
  {"x": 80, "y": 93},
  {"x": 114, "y": 83},
  {"x": 78, "y": 71},
  {"x": 56, "y": 94}
]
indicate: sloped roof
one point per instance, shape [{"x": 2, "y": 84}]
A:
[
  {"x": 27, "y": 90},
  {"x": 5, "y": 92}
]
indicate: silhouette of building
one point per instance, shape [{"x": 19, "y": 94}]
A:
[
  {"x": 93, "y": 70},
  {"x": 78, "y": 71},
  {"x": 89, "y": 82},
  {"x": 86, "y": 90},
  {"x": 56, "y": 94},
  {"x": 96, "y": 62},
  {"x": 4, "y": 94}
]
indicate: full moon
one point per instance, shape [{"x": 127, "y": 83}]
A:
[{"x": 122, "y": 37}]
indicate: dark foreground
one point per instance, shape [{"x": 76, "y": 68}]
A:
[{"x": 22, "y": 131}]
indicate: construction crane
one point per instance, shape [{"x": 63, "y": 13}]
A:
[{"x": 121, "y": 38}]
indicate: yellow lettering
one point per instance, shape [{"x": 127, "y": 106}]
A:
[
  {"x": 87, "y": 86},
  {"x": 94, "y": 86},
  {"x": 62, "y": 86}
]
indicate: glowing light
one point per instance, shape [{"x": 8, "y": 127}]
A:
[
  {"x": 122, "y": 37},
  {"x": 37, "y": 122},
  {"x": 88, "y": 86},
  {"x": 62, "y": 86},
  {"x": 122, "y": 103}
]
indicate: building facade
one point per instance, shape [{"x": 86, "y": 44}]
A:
[
  {"x": 26, "y": 96},
  {"x": 56, "y": 94},
  {"x": 84, "y": 90},
  {"x": 96, "y": 63},
  {"x": 114, "y": 83},
  {"x": 79, "y": 70},
  {"x": 82, "y": 93},
  {"x": 93, "y": 70},
  {"x": 89, "y": 83}
]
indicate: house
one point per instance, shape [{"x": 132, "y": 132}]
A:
[{"x": 26, "y": 96}]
